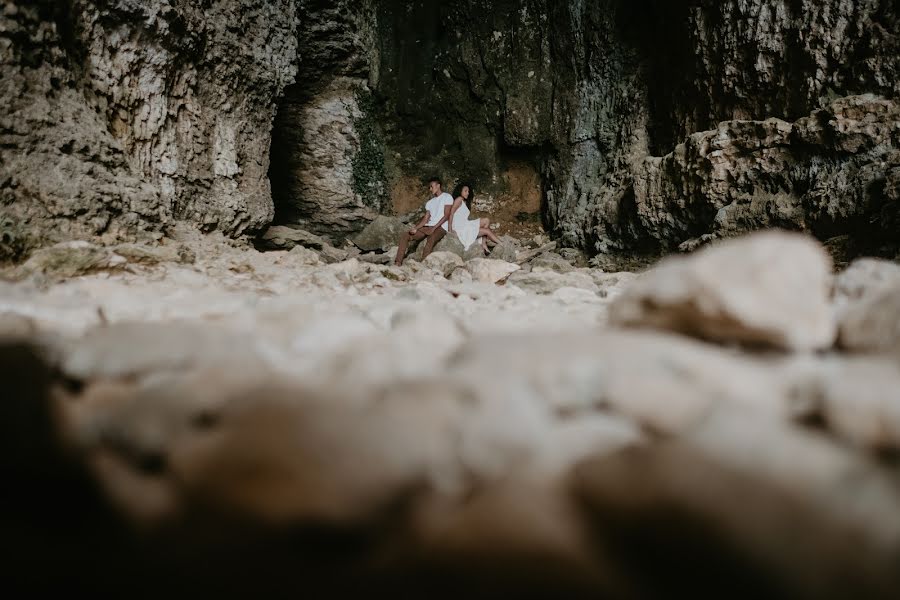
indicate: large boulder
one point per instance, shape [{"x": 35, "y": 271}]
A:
[
  {"x": 381, "y": 234},
  {"x": 451, "y": 243},
  {"x": 769, "y": 289}
]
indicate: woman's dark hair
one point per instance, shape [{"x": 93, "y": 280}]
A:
[
  {"x": 458, "y": 193},
  {"x": 436, "y": 180}
]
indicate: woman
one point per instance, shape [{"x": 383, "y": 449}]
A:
[{"x": 468, "y": 231}]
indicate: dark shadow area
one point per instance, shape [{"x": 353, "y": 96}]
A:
[{"x": 285, "y": 157}]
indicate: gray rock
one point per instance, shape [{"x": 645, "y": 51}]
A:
[
  {"x": 71, "y": 259},
  {"x": 304, "y": 256},
  {"x": 451, "y": 243},
  {"x": 381, "y": 234},
  {"x": 504, "y": 251},
  {"x": 375, "y": 258},
  {"x": 153, "y": 255},
  {"x": 284, "y": 238},
  {"x": 548, "y": 282},
  {"x": 332, "y": 255},
  {"x": 574, "y": 256},
  {"x": 552, "y": 262},
  {"x": 150, "y": 131}
]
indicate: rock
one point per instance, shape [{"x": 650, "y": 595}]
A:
[
  {"x": 528, "y": 255},
  {"x": 331, "y": 255},
  {"x": 808, "y": 466},
  {"x": 766, "y": 289},
  {"x": 630, "y": 494},
  {"x": 382, "y": 234},
  {"x": 856, "y": 399},
  {"x": 449, "y": 243},
  {"x": 443, "y": 262},
  {"x": 626, "y": 373},
  {"x": 571, "y": 295},
  {"x": 374, "y": 258},
  {"x": 505, "y": 251},
  {"x": 872, "y": 323},
  {"x": 15, "y": 326},
  {"x": 863, "y": 279},
  {"x": 461, "y": 276},
  {"x": 539, "y": 240},
  {"x": 149, "y": 255},
  {"x": 489, "y": 270},
  {"x": 71, "y": 259},
  {"x": 323, "y": 133},
  {"x": 282, "y": 237},
  {"x": 304, "y": 256},
  {"x": 551, "y": 262},
  {"x": 574, "y": 257},
  {"x": 547, "y": 282},
  {"x": 106, "y": 163},
  {"x": 131, "y": 350}
]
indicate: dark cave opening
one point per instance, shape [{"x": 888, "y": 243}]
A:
[{"x": 285, "y": 157}]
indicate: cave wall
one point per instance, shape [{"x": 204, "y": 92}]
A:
[
  {"x": 721, "y": 169},
  {"x": 320, "y": 137},
  {"x": 121, "y": 116},
  {"x": 608, "y": 98},
  {"x": 644, "y": 121},
  {"x": 62, "y": 172}
]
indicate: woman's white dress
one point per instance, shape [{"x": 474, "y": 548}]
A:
[{"x": 466, "y": 230}]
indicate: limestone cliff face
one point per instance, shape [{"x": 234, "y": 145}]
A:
[
  {"x": 648, "y": 123},
  {"x": 120, "y": 116},
  {"x": 317, "y": 137},
  {"x": 711, "y": 84},
  {"x": 591, "y": 91}
]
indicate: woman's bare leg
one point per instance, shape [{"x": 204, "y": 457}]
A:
[{"x": 486, "y": 230}]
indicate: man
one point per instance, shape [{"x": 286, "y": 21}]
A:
[{"x": 433, "y": 224}]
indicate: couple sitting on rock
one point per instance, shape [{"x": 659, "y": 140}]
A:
[{"x": 444, "y": 214}]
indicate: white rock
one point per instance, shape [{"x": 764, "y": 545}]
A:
[
  {"x": 443, "y": 262},
  {"x": 547, "y": 282},
  {"x": 488, "y": 270},
  {"x": 872, "y": 323},
  {"x": 769, "y": 288}
]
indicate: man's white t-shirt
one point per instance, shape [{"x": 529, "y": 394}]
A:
[{"x": 435, "y": 207}]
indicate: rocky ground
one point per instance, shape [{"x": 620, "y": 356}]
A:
[{"x": 727, "y": 422}]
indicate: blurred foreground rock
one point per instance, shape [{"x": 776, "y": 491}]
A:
[{"x": 269, "y": 424}]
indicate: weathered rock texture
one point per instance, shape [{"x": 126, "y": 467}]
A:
[
  {"x": 651, "y": 124},
  {"x": 122, "y": 115},
  {"x": 593, "y": 92},
  {"x": 323, "y": 129},
  {"x": 261, "y": 422}
]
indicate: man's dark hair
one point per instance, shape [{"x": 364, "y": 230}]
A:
[{"x": 436, "y": 180}]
